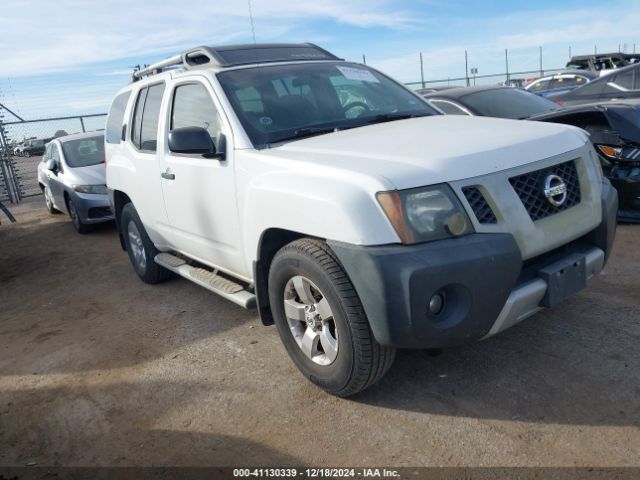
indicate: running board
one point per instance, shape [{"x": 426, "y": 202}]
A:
[{"x": 208, "y": 279}]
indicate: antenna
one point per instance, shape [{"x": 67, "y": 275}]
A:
[{"x": 253, "y": 28}]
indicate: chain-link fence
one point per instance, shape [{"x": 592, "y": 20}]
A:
[{"x": 22, "y": 144}]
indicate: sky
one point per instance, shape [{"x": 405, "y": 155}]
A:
[{"x": 69, "y": 57}]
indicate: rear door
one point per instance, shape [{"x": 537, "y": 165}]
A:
[
  {"x": 145, "y": 188},
  {"x": 200, "y": 193}
]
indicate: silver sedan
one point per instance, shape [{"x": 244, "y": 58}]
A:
[{"x": 73, "y": 180}]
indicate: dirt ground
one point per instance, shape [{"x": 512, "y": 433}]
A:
[{"x": 97, "y": 368}]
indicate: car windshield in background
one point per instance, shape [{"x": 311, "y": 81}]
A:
[
  {"x": 507, "y": 103},
  {"x": 84, "y": 152},
  {"x": 284, "y": 102}
]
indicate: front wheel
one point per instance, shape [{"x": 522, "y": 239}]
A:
[
  {"x": 140, "y": 248},
  {"x": 321, "y": 321},
  {"x": 78, "y": 224},
  {"x": 48, "y": 200}
]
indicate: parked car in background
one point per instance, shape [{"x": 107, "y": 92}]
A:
[
  {"x": 614, "y": 129},
  {"x": 359, "y": 227},
  {"x": 603, "y": 63},
  {"x": 35, "y": 147},
  {"x": 623, "y": 84},
  {"x": 560, "y": 82},
  {"x": 18, "y": 150},
  {"x": 72, "y": 178}
]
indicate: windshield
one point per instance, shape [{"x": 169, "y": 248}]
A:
[
  {"x": 507, "y": 103},
  {"x": 84, "y": 151},
  {"x": 283, "y": 102}
]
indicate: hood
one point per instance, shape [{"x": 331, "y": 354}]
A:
[
  {"x": 91, "y": 175},
  {"x": 436, "y": 149}
]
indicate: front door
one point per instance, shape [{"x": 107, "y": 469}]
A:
[
  {"x": 56, "y": 179},
  {"x": 200, "y": 193}
]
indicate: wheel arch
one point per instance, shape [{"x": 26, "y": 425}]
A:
[
  {"x": 271, "y": 240},
  {"x": 120, "y": 199}
]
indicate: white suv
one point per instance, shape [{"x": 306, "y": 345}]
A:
[{"x": 346, "y": 210}]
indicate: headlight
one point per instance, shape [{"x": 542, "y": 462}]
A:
[
  {"x": 93, "y": 189},
  {"x": 425, "y": 214}
]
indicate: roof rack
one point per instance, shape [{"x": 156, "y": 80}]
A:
[{"x": 235, "y": 55}]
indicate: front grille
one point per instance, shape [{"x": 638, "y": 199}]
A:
[
  {"x": 479, "y": 205},
  {"x": 530, "y": 189}
]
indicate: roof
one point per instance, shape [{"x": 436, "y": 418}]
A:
[
  {"x": 237, "y": 55},
  {"x": 78, "y": 136},
  {"x": 459, "y": 92}
]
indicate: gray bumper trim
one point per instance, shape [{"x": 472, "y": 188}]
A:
[{"x": 524, "y": 300}]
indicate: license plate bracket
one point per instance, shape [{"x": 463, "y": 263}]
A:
[{"x": 564, "y": 278}]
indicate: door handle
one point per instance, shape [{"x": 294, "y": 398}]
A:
[{"x": 168, "y": 175}]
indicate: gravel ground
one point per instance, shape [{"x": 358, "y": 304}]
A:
[{"x": 97, "y": 368}]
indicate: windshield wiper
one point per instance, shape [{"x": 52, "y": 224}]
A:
[
  {"x": 305, "y": 133},
  {"x": 390, "y": 117}
]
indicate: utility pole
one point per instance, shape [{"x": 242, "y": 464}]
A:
[
  {"x": 421, "y": 70},
  {"x": 466, "y": 67},
  {"x": 569, "y": 52},
  {"x": 364, "y": 59}
]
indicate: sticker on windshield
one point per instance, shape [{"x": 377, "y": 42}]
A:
[
  {"x": 266, "y": 121},
  {"x": 358, "y": 74}
]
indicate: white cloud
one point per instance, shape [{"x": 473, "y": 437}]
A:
[{"x": 67, "y": 33}]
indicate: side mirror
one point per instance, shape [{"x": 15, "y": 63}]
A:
[
  {"x": 192, "y": 140},
  {"x": 51, "y": 165}
]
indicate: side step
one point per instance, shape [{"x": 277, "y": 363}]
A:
[{"x": 208, "y": 279}]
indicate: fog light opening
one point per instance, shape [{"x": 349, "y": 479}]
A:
[{"x": 436, "y": 303}]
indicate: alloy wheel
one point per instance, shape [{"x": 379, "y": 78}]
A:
[{"x": 311, "y": 320}]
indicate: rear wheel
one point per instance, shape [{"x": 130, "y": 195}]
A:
[
  {"x": 321, "y": 321},
  {"x": 140, "y": 247},
  {"x": 75, "y": 218}
]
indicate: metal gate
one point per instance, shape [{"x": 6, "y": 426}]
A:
[{"x": 22, "y": 144}]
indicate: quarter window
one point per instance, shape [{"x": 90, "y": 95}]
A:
[{"x": 193, "y": 107}]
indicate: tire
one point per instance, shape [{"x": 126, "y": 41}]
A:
[
  {"x": 357, "y": 361},
  {"x": 48, "y": 201},
  {"x": 80, "y": 227},
  {"x": 140, "y": 247}
]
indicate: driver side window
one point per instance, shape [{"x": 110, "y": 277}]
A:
[
  {"x": 55, "y": 156},
  {"x": 194, "y": 107}
]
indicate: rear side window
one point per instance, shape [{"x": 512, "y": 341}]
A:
[
  {"x": 144, "y": 131},
  {"x": 539, "y": 85},
  {"x": 150, "y": 117},
  {"x": 116, "y": 117},
  {"x": 137, "y": 118},
  {"x": 448, "y": 107}
]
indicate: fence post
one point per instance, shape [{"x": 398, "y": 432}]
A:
[
  {"x": 82, "y": 125},
  {"x": 541, "y": 70},
  {"x": 8, "y": 172},
  {"x": 466, "y": 67},
  {"x": 506, "y": 60}
]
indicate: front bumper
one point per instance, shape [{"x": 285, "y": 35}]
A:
[
  {"x": 92, "y": 208},
  {"x": 486, "y": 284},
  {"x": 628, "y": 189}
]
